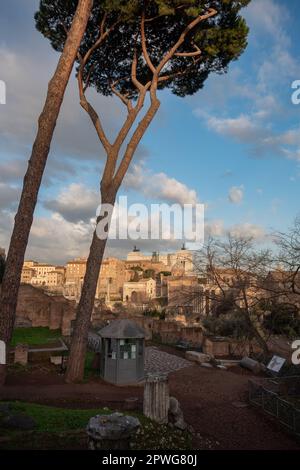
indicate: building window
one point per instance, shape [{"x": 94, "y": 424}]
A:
[
  {"x": 112, "y": 349},
  {"x": 127, "y": 349}
]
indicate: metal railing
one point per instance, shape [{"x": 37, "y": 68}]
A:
[{"x": 279, "y": 398}]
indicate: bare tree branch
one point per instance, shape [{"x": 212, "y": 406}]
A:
[{"x": 211, "y": 12}]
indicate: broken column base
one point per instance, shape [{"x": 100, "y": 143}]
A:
[
  {"x": 251, "y": 364},
  {"x": 156, "y": 398},
  {"x": 115, "y": 431}
]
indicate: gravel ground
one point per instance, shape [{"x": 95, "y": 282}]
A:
[
  {"x": 215, "y": 403},
  {"x": 160, "y": 361}
]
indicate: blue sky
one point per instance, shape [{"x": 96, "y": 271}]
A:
[{"x": 234, "y": 146}]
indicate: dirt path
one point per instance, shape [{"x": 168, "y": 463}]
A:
[
  {"x": 47, "y": 387},
  {"x": 207, "y": 397},
  {"x": 214, "y": 402}
]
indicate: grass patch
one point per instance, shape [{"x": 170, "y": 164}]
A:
[
  {"x": 89, "y": 371},
  {"x": 34, "y": 336},
  {"x": 52, "y": 421}
]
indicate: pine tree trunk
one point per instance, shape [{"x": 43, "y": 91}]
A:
[
  {"x": 75, "y": 368},
  {"x": 33, "y": 177}
]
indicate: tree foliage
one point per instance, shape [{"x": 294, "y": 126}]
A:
[
  {"x": 231, "y": 325},
  {"x": 208, "y": 47},
  {"x": 282, "y": 318}
]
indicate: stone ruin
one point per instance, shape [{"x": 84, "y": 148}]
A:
[
  {"x": 35, "y": 308},
  {"x": 21, "y": 354},
  {"x": 108, "y": 432},
  {"x": 159, "y": 406}
]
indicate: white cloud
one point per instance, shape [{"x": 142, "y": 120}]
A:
[
  {"x": 159, "y": 186},
  {"x": 261, "y": 125},
  {"x": 55, "y": 240},
  {"x": 12, "y": 170},
  {"x": 236, "y": 194},
  {"x": 172, "y": 190},
  {"x": 254, "y": 131},
  {"x": 26, "y": 90},
  {"x": 217, "y": 228},
  {"x": 8, "y": 196},
  {"x": 241, "y": 128},
  {"x": 75, "y": 203},
  {"x": 214, "y": 228},
  {"x": 267, "y": 16},
  {"x": 255, "y": 231}
]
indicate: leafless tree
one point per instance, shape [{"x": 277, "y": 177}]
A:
[
  {"x": 237, "y": 274},
  {"x": 288, "y": 244}
]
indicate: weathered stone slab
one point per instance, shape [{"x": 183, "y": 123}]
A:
[
  {"x": 196, "y": 356},
  {"x": 113, "y": 431},
  {"x": 250, "y": 364},
  {"x": 207, "y": 365}
]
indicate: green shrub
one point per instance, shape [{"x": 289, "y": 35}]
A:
[
  {"x": 283, "y": 320},
  {"x": 232, "y": 326}
]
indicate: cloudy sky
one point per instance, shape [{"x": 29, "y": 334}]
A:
[{"x": 234, "y": 146}]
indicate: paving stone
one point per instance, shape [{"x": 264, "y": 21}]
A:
[{"x": 160, "y": 361}]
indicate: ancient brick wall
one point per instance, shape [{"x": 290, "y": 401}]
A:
[{"x": 39, "y": 309}]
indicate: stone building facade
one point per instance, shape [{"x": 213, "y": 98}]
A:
[
  {"x": 188, "y": 296},
  {"x": 42, "y": 274},
  {"x": 141, "y": 291},
  {"x": 181, "y": 260},
  {"x": 111, "y": 279}
]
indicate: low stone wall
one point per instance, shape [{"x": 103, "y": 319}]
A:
[
  {"x": 216, "y": 348},
  {"x": 165, "y": 331},
  {"x": 170, "y": 332},
  {"x": 22, "y": 353},
  {"x": 226, "y": 347}
]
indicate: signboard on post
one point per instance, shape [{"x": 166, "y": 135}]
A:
[{"x": 276, "y": 364}]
